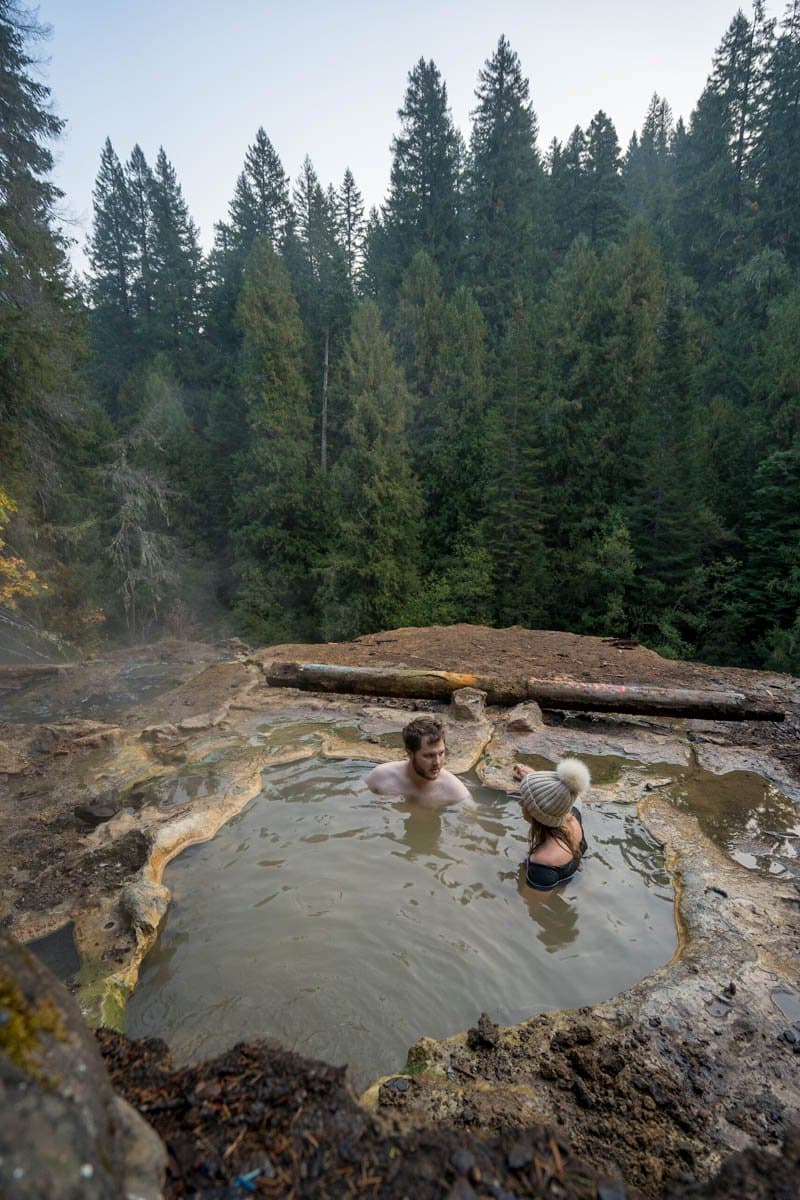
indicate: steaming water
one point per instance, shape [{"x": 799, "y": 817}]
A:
[{"x": 348, "y": 926}]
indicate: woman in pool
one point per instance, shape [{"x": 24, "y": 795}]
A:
[{"x": 550, "y": 801}]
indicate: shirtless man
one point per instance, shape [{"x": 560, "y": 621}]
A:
[{"x": 422, "y": 776}]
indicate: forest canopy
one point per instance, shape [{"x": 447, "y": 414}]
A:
[{"x": 551, "y": 387}]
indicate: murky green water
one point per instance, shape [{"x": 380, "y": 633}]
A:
[
  {"x": 348, "y": 926},
  {"x": 745, "y": 815}
]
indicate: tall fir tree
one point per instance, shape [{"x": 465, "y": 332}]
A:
[
  {"x": 317, "y": 265},
  {"x": 422, "y": 209},
  {"x": 272, "y": 528},
  {"x": 777, "y": 149},
  {"x": 370, "y": 577},
  {"x": 505, "y": 194},
  {"x": 603, "y": 208},
  {"x": 715, "y": 175},
  {"x": 178, "y": 275},
  {"x": 513, "y": 520},
  {"x": 260, "y": 205},
  {"x": 351, "y": 226},
  {"x": 140, "y": 185},
  {"x": 112, "y": 261},
  {"x": 566, "y": 169}
]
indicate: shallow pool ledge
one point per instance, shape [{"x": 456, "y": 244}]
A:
[
  {"x": 691, "y": 1063},
  {"x": 107, "y": 976}
]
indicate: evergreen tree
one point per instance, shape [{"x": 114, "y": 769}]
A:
[
  {"x": 41, "y": 334},
  {"x": 421, "y": 212},
  {"x": 672, "y": 526},
  {"x": 777, "y": 152},
  {"x": 514, "y": 484},
  {"x": 597, "y": 329},
  {"x": 371, "y": 574},
  {"x": 140, "y": 185},
  {"x": 603, "y": 213},
  {"x": 454, "y": 478},
  {"x": 260, "y": 208},
  {"x": 112, "y": 258},
  {"x": 648, "y": 175},
  {"x": 260, "y": 205},
  {"x": 568, "y": 180},
  {"x": 418, "y": 323},
  {"x": 715, "y": 210},
  {"x": 177, "y": 308},
  {"x": 272, "y": 520},
  {"x": 505, "y": 196},
  {"x": 318, "y": 267},
  {"x": 350, "y": 225}
]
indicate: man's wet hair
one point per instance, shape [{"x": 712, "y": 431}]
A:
[{"x": 422, "y": 729}]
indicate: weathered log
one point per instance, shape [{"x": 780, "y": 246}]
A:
[
  {"x": 404, "y": 682},
  {"x": 641, "y": 699},
  {"x": 409, "y": 683}
]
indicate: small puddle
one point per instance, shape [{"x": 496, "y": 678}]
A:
[
  {"x": 58, "y": 952},
  {"x": 745, "y": 815},
  {"x": 348, "y": 926},
  {"x": 788, "y": 1003}
]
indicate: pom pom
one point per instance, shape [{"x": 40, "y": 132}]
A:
[{"x": 574, "y": 775}]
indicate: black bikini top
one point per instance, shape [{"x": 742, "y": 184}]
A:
[{"x": 543, "y": 877}]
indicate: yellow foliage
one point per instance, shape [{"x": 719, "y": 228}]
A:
[{"x": 16, "y": 577}]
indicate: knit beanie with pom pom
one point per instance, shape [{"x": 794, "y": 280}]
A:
[{"x": 547, "y": 796}]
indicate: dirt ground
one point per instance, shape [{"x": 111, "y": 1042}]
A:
[{"x": 263, "y": 1120}]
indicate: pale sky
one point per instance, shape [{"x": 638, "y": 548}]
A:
[{"x": 326, "y": 78}]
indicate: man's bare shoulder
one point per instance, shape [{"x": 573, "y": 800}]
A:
[
  {"x": 387, "y": 779},
  {"x": 454, "y": 788}
]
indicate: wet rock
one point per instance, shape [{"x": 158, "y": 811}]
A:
[
  {"x": 468, "y": 704},
  {"x": 97, "y": 813},
  {"x": 485, "y": 1035},
  {"x": 525, "y": 718},
  {"x": 203, "y": 721},
  {"x": 64, "y": 1132},
  {"x": 159, "y": 733},
  {"x": 398, "y": 1084},
  {"x": 145, "y": 905}
]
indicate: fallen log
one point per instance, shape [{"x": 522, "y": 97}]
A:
[
  {"x": 415, "y": 684},
  {"x": 403, "y": 682},
  {"x": 644, "y": 700}
]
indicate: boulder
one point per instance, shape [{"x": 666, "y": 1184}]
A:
[
  {"x": 468, "y": 704},
  {"x": 65, "y": 1134}
]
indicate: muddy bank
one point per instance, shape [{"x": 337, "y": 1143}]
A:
[{"x": 660, "y": 1085}]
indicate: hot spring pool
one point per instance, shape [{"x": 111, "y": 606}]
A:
[{"x": 347, "y": 926}]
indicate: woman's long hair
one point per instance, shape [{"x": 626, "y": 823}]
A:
[{"x": 539, "y": 833}]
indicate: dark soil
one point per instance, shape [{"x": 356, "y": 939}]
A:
[
  {"x": 262, "y": 1120},
  {"x": 296, "y": 1124}
]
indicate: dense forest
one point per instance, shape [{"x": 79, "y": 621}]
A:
[{"x": 552, "y": 387}]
